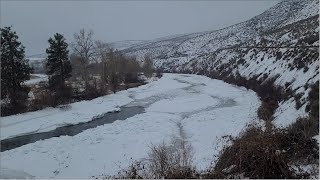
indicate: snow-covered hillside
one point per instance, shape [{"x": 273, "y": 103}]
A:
[
  {"x": 120, "y": 45},
  {"x": 193, "y": 45},
  {"x": 290, "y": 30}
]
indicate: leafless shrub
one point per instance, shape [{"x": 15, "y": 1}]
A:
[
  {"x": 65, "y": 107},
  {"x": 313, "y": 98},
  {"x": 92, "y": 92},
  {"x": 166, "y": 161},
  {"x": 159, "y": 74},
  {"x": 148, "y": 66},
  {"x": 43, "y": 99},
  {"x": 170, "y": 161},
  {"x": 297, "y": 98},
  {"x": 264, "y": 111},
  {"x": 257, "y": 154},
  {"x": 300, "y": 143}
]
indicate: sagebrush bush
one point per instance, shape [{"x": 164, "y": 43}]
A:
[
  {"x": 297, "y": 98},
  {"x": 169, "y": 161},
  {"x": 313, "y": 97},
  {"x": 299, "y": 141},
  {"x": 257, "y": 154},
  {"x": 265, "y": 112}
]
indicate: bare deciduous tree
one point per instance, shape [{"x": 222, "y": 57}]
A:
[
  {"x": 148, "y": 66},
  {"x": 112, "y": 69},
  {"x": 102, "y": 52},
  {"x": 83, "y": 47}
]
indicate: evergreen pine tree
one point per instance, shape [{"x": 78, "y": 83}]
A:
[
  {"x": 58, "y": 65},
  {"x": 15, "y": 70}
]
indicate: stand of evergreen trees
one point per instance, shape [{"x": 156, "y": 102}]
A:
[{"x": 15, "y": 70}]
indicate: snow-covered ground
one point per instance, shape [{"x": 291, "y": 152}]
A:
[
  {"x": 36, "y": 79},
  {"x": 206, "y": 109}
]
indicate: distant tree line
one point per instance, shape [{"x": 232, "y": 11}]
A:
[{"x": 92, "y": 64}]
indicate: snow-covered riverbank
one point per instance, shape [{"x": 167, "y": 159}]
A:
[{"x": 206, "y": 109}]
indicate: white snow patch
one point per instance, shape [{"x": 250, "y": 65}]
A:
[
  {"x": 287, "y": 113},
  {"x": 183, "y": 104},
  {"x": 6, "y": 173},
  {"x": 37, "y": 78}
]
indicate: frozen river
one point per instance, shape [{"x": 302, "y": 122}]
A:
[{"x": 204, "y": 108}]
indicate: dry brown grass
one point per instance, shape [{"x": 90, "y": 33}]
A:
[
  {"x": 264, "y": 154},
  {"x": 169, "y": 161},
  {"x": 255, "y": 155}
]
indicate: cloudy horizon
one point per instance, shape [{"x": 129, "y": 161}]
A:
[{"x": 36, "y": 21}]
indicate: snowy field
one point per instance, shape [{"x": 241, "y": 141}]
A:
[{"x": 206, "y": 109}]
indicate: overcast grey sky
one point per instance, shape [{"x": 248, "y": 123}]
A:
[{"x": 36, "y": 21}]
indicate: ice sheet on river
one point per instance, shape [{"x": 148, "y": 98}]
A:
[{"x": 206, "y": 109}]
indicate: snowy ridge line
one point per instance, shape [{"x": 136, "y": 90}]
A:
[
  {"x": 189, "y": 46},
  {"x": 269, "y": 47}
]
